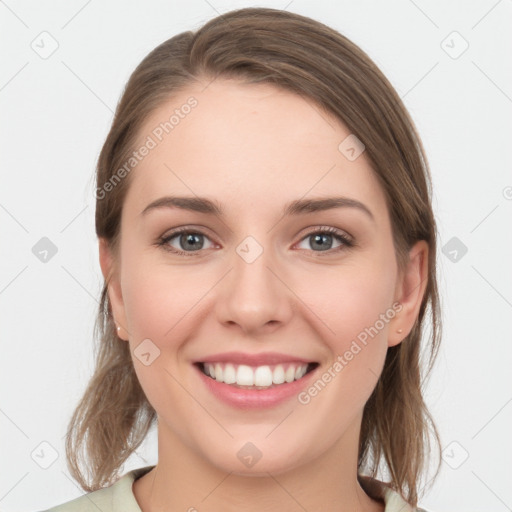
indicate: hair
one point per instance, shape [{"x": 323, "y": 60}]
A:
[{"x": 305, "y": 57}]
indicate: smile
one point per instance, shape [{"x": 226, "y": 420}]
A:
[{"x": 259, "y": 377}]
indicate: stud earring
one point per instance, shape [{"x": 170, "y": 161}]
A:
[{"x": 398, "y": 330}]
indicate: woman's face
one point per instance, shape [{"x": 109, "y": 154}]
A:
[{"x": 256, "y": 274}]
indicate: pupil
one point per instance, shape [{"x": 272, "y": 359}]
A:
[
  {"x": 190, "y": 239},
  {"x": 319, "y": 239}
]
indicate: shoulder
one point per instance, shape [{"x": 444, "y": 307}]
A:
[
  {"x": 118, "y": 497},
  {"x": 102, "y": 499}
]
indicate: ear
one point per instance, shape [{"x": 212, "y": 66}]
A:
[
  {"x": 409, "y": 292},
  {"x": 115, "y": 296}
]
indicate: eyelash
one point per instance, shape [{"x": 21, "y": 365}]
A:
[{"x": 346, "y": 241}]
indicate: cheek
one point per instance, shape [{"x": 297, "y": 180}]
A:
[
  {"x": 355, "y": 303},
  {"x": 163, "y": 304},
  {"x": 158, "y": 297},
  {"x": 159, "y": 303},
  {"x": 350, "y": 298}
]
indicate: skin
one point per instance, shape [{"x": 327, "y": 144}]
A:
[{"x": 254, "y": 148}]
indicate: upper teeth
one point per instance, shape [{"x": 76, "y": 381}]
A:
[{"x": 263, "y": 376}]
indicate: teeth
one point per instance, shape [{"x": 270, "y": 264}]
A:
[
  {"x": 218, "y": 373},
  {"x": 263, "y": 376},
  {"x": 290, "y": 374},
  {"x": 260, "y": 377},
  {"x": 229, "y": 374},
  {"x": 244, "y": 376},
  {"x": 278, "y": 375}
]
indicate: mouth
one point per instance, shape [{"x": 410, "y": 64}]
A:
[{"x": 256, "y": 377}]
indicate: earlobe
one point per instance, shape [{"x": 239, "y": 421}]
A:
[
  {"x": 115, "y": 296},
  {"x": 410, "y": 291}
]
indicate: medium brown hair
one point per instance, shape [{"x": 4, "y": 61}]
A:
[{"x": 308, "y": 58}]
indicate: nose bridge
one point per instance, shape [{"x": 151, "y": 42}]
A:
[{"x": 253, "y": 295}]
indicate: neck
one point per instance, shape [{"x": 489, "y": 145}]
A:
[{"x": 182, "y": 480}]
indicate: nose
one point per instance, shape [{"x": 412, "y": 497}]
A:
[{"x": 254, "y": 295}]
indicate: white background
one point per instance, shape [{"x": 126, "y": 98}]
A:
[{"x": 56, "y": 113}]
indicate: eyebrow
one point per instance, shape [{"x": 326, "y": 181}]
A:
[{"x": 297, "y": 207}]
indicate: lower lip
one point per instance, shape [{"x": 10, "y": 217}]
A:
[{"x": 257, "y": 398}]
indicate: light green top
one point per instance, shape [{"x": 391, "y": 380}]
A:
[{"x": 119, "y": 496}]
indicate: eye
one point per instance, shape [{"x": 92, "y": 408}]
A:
[
  {"x": 322, "y": 239},
  {"x": 191, "y": 242},
  {"x": 187, "y": 239}
]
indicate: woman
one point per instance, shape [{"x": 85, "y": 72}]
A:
[{"x": 268, "y": 247}]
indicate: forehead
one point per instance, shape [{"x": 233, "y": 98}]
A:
[{"x": 249, "y": 142}]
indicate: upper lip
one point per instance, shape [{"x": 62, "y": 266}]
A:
[{"x": 263, "y": 358}]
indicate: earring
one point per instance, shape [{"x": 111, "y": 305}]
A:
[{"x": 398, "y": 330}]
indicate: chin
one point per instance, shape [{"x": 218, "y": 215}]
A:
[{"x": 251, "y": 462}]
